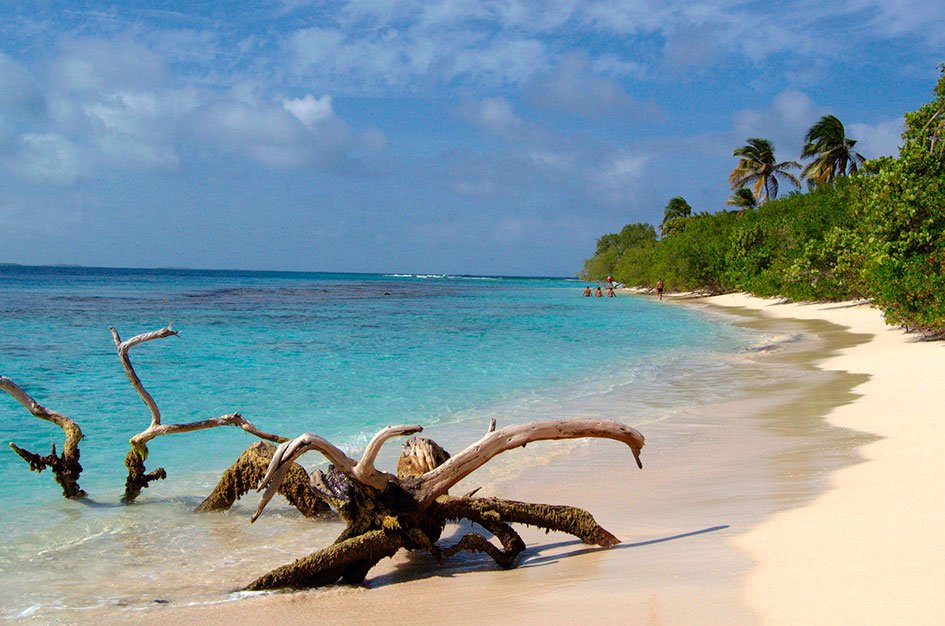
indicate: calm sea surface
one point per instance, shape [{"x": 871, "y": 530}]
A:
[{"x": 338, "y": 354}]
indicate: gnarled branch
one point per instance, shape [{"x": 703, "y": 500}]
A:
[
  {"x": 138, "y": 478},
  {"x": 365, "y": 470},
  {"x": 438, "y": 481},
  {"x": 65, "y": 467},
  {"x": 340, "y": 560},
  {"x": 123, "y": 348},
  {"x": 245, "y": 474},
  {"x": 556, "y": 517},
  {"x": 230, "y": 419},
  {"x": 362, "y": 472}
]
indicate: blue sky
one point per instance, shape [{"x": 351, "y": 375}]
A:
[{"x": 455, "y": 136}]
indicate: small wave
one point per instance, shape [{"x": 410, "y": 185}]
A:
[
  {"x": 28, "y": 612},
  {"x": 773, "y": 343},
  {"x": 444, "y": 276}
]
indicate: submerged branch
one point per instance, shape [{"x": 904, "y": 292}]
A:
[
  {"x": 248, "y": 470},
  {"x": 138, "y": 477},
  {"x": 65, "y": 467}
]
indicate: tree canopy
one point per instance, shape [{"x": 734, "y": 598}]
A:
[{"x": 758, "y": 167}]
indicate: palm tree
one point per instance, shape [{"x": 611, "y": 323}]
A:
[
  {"x": 743, "y": 198},
  {"x": 675, "y": 209},
  {"x": 758, "y": 168},
  {"x": 832, "y": 150}
]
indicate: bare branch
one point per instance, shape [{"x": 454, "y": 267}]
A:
[
  {"x": 288, "y": 452},
  {"x": 365, "y": 466},
  {"x": 438, "y": 481},
  {"x": 137, "y": 478},
  {"x": 362, "y": 471},
  {"x": 230, "y": 419},
  {"x": 66, "y": 467},
  {"x": 123, "y": 348}
]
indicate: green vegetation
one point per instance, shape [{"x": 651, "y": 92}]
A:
[
  {"x": 757, "y": 167},
  {"x": 832, "y": 151},
  {"x": 871, "y": 230},
  {"x": 676, "y": 209}
]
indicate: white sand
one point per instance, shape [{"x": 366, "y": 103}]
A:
[{"x": 871, "y": 550}]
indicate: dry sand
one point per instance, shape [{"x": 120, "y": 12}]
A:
[
  {"x": 755, "y": 511},
  {"x": 871, "y": 550}
]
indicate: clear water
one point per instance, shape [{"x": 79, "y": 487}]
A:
[{"x": 338, "y": 354}]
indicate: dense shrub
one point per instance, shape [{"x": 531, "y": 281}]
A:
[
  {"x": 901, "y": 213},
  {"x": 879, "y": 235}
]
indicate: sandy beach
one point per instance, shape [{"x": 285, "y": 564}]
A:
[
  {"x": 869, "y": 550},
  {"x": 816, "y": 501}
]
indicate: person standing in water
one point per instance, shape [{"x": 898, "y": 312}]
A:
[
  {"x": 598, "y": 293},
  {"x": 587, "y": 291},
  {"x": 659, "y": 288}
]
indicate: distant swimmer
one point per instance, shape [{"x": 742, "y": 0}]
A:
[
  {"x": 587, "y": 291},
  {"x": 659, "y": 288},
  {"x": 598, "y": 293},
  {"x": 610, "y": 292}
]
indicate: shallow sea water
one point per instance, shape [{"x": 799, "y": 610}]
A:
[{"x": 338, "y": 354}]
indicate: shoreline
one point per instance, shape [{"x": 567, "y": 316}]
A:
[
  {"x": 681, "y": 562},
  {"x": 870, "y": 549}
]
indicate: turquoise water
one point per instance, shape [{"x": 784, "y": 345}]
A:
[{"x": 338, "y": 354}]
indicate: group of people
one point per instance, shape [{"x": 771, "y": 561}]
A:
[{"x": 599, "y": 293}]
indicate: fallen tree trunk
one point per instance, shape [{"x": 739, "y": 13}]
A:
[
  {"x": 385, "y": 513},
  {"x": 65, "y": 467}
]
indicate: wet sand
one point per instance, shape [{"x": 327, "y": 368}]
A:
[{"x": 710, "y": 477}]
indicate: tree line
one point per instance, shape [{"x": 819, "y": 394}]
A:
[{"x": 871, "y": 229}]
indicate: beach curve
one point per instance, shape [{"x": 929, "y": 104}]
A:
[{"x": 869, "y": 550}]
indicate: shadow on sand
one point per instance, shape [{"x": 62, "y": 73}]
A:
[{"x": 422, "y": 565}]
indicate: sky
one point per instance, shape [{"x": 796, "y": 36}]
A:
[{"x": 497, "y": 137}]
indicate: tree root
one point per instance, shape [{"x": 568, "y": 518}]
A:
[
  {"x": 376, "y": 531},
  {"x": 248, "y": 470},
  {"x": 345, "y": 559},
  {"x": 474, "y": 542},
  {"x": 65, "y": 469},
  {"x": 551, "y": 517},
  {"x": 138, "y": 476}
]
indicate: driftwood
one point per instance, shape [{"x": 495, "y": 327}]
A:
[
  {"x": 65, "y": 467},
  {"x": 138, "y": 476},
  {"x": 249, "y": 469},
  {"x": 385, "y": 513}
]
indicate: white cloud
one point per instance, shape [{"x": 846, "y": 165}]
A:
[
  {"x": 574, "y": 88},
  {"x": 620, "y": 174},
  {"x": 289, "y": 133},
  {"x": 48, "y": 158},
  {"x": 20, "y": 96},
  {"x": 784, "y": 121},
  {"x": 309, "y": 109},
  {"x": 880, "y": 139},
  {"x": 494, "y": 115}
]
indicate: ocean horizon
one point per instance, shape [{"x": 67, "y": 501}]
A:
[{"x": 341, "y": 355}]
